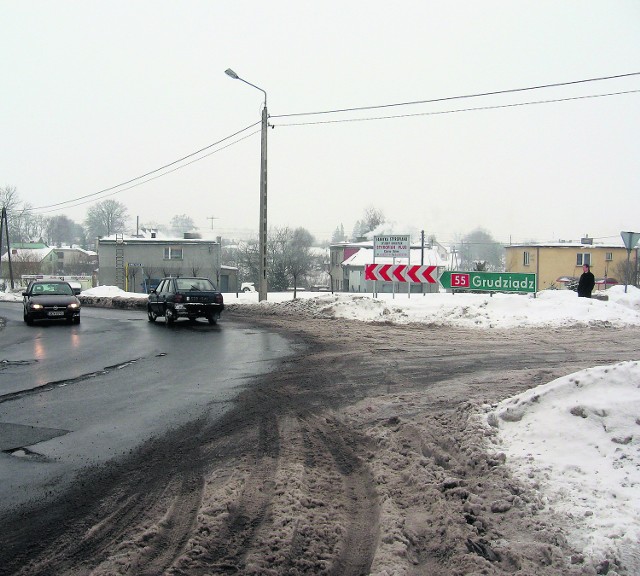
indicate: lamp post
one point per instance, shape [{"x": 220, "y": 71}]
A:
[{"x": 262, "y": 230}]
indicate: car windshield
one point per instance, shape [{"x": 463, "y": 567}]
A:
[
  {"x": 52, "y": 289},
  {"x": 199, "y": 284}
]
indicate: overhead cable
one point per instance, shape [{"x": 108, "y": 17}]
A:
[
  {"x": 446, "y": 98},
  {"x": 119, "y": 187},
  {"x": 74, "y": 203},
  {"x": 100, "y": 192},
  {"x": 367, "y": 119}
]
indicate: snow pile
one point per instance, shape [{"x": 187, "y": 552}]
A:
[
  {"x": 112, "y": 292},
  {"x": 550, "y": 308},
  {"x": 577, "y": 441}
]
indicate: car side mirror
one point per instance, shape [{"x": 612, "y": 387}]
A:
[{"x": 25, "y": 294}]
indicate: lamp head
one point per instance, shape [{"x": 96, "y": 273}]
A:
[{"x": 231, "y": 73}]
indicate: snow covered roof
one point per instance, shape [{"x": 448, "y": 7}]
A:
[
  {"x": 76, "y": 249},
  {"x": 362, "y": 244},
  {"x": 567, "y": 244},
  {"x": 365, "y": 256},
  {"x": 317, "y": 251},
  {"x": 39, "y": 254},
  {"x": 27, "y": 254},
  {"x": 158, "y": 238}
]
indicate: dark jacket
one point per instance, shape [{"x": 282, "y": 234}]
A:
[{"x": 586, "y": 284}]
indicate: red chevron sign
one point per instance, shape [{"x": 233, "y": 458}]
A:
[{"x": 400, "y": 273}]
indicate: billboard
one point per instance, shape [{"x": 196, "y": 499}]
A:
[{"x": 391, "y": 246}]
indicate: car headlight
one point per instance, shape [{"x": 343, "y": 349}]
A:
[
  {"x": 74, "y": 306},
  {"x": 36, "y": 306}
]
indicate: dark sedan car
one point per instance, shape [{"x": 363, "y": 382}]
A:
[
  {"x": 50, "y": 300},
  {"x": 190, "y": 298}
]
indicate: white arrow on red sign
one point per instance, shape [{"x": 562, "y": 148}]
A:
[{"x": 400, "y": 272}]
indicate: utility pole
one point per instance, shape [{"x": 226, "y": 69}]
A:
[
  {"x": 262, "y": 226},
  {"x": 212, "y": 218},
  {"x": 5, "y": 224}
]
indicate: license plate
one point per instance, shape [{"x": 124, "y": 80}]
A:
[{"x": 57, "y": 313}]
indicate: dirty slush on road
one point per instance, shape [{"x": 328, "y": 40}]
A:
[{"x": 365, "y": 453}]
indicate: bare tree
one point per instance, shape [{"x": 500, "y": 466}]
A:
[
  {"x": 79, "y": 263},
  {"x": 247, "y": 260},
  {"x": 194, "y": 268},
  {"x": 106, "y": 218},
  {"x": 299, "y": 258},
  {"x": 133, "y": 272},
  {"x": 26, "y": 263},
  {"x": 277, "y": 245},
  {"x": 627, "y": 272},
  {"x": 479, "y": 249},
  {"x": 61, "y": 230},
  {"x": 151, "y": 272},
  {"x": 338, "y": 234},
  {"x": 166, "y": 272},
  {"x": 290, "y": 257},
  {"x": 181, "y": 223},
  {"x": 23, "y": 225},
  {"x": 370, "y": 221}
]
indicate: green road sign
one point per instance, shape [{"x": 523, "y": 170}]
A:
[{"x": 488, "y": 281}]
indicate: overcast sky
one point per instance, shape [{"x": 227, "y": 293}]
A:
[{"x": 99, "y": 93}]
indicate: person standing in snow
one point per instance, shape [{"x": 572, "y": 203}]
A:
[{"x": 586, "y": 282}]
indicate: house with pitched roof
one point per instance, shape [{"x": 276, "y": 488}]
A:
[
  {"x": 36, "y": 258},
  {"x": 348, "y": 261}
]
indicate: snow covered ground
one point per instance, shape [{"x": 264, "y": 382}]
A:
[{"x": 576, "y": 439}]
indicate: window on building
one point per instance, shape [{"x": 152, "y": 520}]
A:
[
  {"x": 608, "y": 256},
  {"x": 583, "y": 258},
  {"x": 526, "y": 258},
  {"x": 173, "y": 253}
]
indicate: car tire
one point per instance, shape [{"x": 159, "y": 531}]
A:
[
  {"x": 169, "y": 318},
  {"x": 212, "y": 319},
  {"x": 76, "y": 320},
  {"x": 151, "y": 314},
  {"x": 28, "y": 319}
]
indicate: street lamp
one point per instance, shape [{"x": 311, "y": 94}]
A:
[{"x": 262, "y": 231}]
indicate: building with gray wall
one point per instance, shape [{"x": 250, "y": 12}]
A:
[{"x": 134, "y": 263}]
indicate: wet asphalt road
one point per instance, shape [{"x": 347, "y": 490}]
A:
[{"x": 72, "y": 397}]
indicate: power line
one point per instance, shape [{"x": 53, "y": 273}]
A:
[
  {"x": 478, "y": 108},
  {"x": 446, "y": 98},
  {"x": 75, "y": 203},
  {"x": 116, "y": 189},
  {"x": 148, "y": 173}
]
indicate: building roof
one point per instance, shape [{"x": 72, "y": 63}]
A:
[
  {"x": 365, "y": 256},
  {"x": 361, "y": 244},
  {"x": 566, "y": 244},
  {"x": 27, "y": 254},
  {"x": 38, "y": 252},
  {"x": 75, "y": 249},
  {"x": 31, "y": 245},
  {"x": 166, "y": 240}
]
